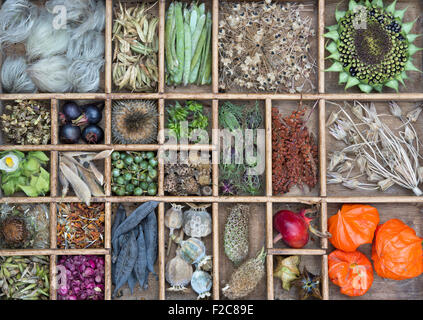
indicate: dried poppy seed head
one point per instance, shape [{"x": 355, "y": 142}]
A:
[{"x": 371, "y": 46}]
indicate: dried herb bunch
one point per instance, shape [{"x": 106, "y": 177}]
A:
[
  {"x": 136, "y": 46},
  {"x": 24, "y": 278},
  {"x": 294, "y": 156},
  {"x": 26, "y": 122},
  {"x": 383, "y": 156},
  {"x": 80, "y": 226},
  {"x": 234, "y": 177},
  {"x": 265, "y": 46},
  {"x": 191, "y": 177}
]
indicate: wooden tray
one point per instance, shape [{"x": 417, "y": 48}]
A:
[{"x": 391, "y": 205}]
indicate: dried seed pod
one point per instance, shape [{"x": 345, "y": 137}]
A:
[
  {"x": 385, "y": 184},
  {"x": 395, "y": 109},
  {"x": 178, "y": 273},
  {"x": 287, "y": 270},
  {"x": 245, "y": 279},
  {"x": 346, "y": 166},
  {"x": 334, "y": 178},
  {"x": 413, "y": 115},
  {"x": 333, "y": 117},
  {"x": 362, "y": 163},
  {"x": 201, "y": 283},
  {"x": 14, "y": 231},
  {"x": 193, "y": 251},
  {"x": 197, "y": 221},
  {"x": 173, "y": 217},
  {"x": 236, "y": 234},
  {"x": 335, "y": 159}
]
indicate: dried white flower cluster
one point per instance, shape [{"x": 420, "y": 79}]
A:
[{"x": 265, "y": 46}]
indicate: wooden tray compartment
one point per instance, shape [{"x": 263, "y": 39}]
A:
[
  {"x": 207, "y": 111},
  {"x": 19, "y": 49},
  {"x": 311, "y": 11},
  {"x": 248, "y": 105},
  {"x": 54, "y": 288},
  {"x": 3, "y": 104},
  {"x": 129, "y": 4},
  {"x": 285, "y": 108},
  {"x": 152, "y": 293},
  {"x": 386, "y": 289},
  {"x": 189, "y": 294},
  {"x": 413, "y": 84},
  {"x": 382, "y": 108},
  {"x": 257, "y": 239},
  {"x": 314, "y": 265},
  {"x": 189, "y": 89},
  {"x": 318, "y": 222},
  {"x": 101, "y": 124}
]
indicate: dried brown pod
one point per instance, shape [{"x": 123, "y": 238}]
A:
[{"x": 14, "y": 231}]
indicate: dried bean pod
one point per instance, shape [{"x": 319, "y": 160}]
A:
[
  {"x": 126, "y": 261},
  {"x": 133, "y": 220},
  {"x": 150, "y": 235},
  {"x": 141, "y": 264}
]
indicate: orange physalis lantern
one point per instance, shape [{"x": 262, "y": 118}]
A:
[
  {"x": 353, "y": 226},
  {"x": 351, "y": 271},
  {"x": 397, "y": 251}
]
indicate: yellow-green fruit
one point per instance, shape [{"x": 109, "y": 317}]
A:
[
  {"x": 245, "y": 279},
  {"x": 236, "y": 234}
]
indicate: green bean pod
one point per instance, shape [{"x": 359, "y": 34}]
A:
[
  {"x": 169, "y": 31},
  {"x": 180, "y": 47},
  {"x": 197, "y": 33},
  {"x": 187, "y": 63},
  {"x": 204, "y": 57},
  {"x": 199, "y": 48}
]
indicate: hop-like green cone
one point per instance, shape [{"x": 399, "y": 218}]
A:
[
  {"x": 371, "y": 47},
  {"x": 245, "y": 279},
  {"x": 236, "y": 234}
]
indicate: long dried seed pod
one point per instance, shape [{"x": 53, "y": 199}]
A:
[{"x": 246, "y": 278}]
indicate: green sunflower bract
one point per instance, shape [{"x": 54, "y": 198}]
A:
[{"x": 371, "y": 46}]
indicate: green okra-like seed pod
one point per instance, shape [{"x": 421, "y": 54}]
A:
[
  {"x": 169, "y": 33},
  {"x": 187, "y": 62},
  {"x": 199, "y": 48},
  {"x": 180, "y": 47},
  {"x": 205, "y": 55},
  {"x": 193, "y": 75},
  {"x": 197, "y": 32},
  {"x": 193, "y": 19}
]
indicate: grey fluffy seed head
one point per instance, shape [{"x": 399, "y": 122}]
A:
[
  {"x": 134, "y": 121},
  {"x": 81, "y": 15},
  {"x": 88, "y": 47},
  {"x": 45, "y": 40},
  {"x": 51, "y": 74},
  {"x": 236, "y": 234},
  {"x": 17, "y": 18},
  {"x": 14, "y": 76},
  {"x": 246, "y": 278},
  {"x": 85, "y": 75}
]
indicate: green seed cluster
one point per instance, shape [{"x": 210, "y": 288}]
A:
[
  {"x": 374, "y": 54},
  {"x": 134, "y": 173}
]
